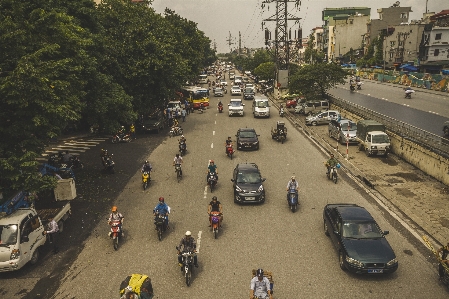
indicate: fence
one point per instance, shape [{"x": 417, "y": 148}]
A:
[{"x": 430, "y": 141}]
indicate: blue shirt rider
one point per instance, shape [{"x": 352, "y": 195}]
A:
[
  {"x": 212, "y": 168},
  {"x": 163, "y": 209}
]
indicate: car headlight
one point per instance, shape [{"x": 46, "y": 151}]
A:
[
  {"x": 260, "y": 189},
  {"x": 354, "y": 262},
  {"x": 15, "y": 254},
  {"x": 392, "y": 262},
  {"x": 237, "y": 188},
  {"x": 373, "y": 147},
  {"x": 256, "y": 142}
]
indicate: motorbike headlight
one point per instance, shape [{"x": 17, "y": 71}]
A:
[
  {"x": 392, "y": 262},
  {"x": 260, "y": 188},
  {"x": 354, "y": 262},
  {"x": 15, "y": 254}
]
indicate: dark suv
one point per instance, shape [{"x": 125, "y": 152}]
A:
[
  {"x": 248, "y": 186},
  {"x": 248, "y": 94},
  {"x": 154, "y": 122},
  {"x": 247, "y": 139}
]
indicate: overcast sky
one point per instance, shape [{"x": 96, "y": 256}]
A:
[{"x": 216, "y": 18}]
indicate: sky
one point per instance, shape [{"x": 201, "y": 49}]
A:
[{"x": 219, "y": 18}]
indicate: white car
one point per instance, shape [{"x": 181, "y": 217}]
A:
[
  {"x": 236, "y": 90},
  {"x": 236, "y": 107},
  {"x": 249, "y": 85},
  {"x": 224, "y": 83}
]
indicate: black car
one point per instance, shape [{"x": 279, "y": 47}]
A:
[
  {"x": 154, "y": 122},
  {"x": 248, "y": 186},
  {"x": 361, "y": 245},
  {"x": 247, "y": 139},
  {"x": 248, "y": 94}
]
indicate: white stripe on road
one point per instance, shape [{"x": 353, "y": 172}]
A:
[
  {"x": 213, "y": 132},
  {"x": 215, "y": 122},
  {"x": 198, "y": 242},
  {"x": 212, "y": 145},
  {"x": 69, "y": 146},
  {"x": 205, "y": 192},
  {"x": 74, "y": 150}
]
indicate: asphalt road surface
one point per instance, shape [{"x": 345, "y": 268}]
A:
[
  {"x": 291, "y": 245},
  {"x": 427, "y": 111}
]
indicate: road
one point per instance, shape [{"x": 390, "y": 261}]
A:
[{"x": 427, "y": 111}]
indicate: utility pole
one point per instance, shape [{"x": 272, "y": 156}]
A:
[
  {"x": 229, "y": 40},
  {"x": 240, "y": 43},
  {"x": 282, "y": 37}
]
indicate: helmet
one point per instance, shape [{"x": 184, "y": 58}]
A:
[
  {"x": 177, "y": 155},
  {"x": 259, "y": 272},
  {"x": 161, "y": 199},
  {"x": 214, "y": 198},
  {"x": 211, "y": 161},
  {"x": 293, "y": 177},
  {"x": 332, "y": 155},
  {"x": 146, "y": 161},
  {"x": 182, "y": 136},
  {"x": 188, "y": 233},
  {"x": 123, "y": 127},
  {"x": 114, "y": 209},
  {"x": 338, "y": 165}
]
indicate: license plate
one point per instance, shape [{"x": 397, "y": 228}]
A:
[
  {"x": 248, "y": 145},
  {"x": 250, "y": 198},
  {"x": 375, "y": 271}
]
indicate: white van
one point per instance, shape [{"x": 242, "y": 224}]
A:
[{"x": 261, "y": 107}]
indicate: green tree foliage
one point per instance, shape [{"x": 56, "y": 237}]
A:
[
  {"x": 266, "y": 71},
  {"x": 312, "y": 55},
  {"x": 314, "y": 80}
]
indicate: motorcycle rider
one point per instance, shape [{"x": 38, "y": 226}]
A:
[
  {"x": 177, "y": 160},
  {"x": 121, "y": 132},
  {"x": 215, "y": 206},
  {"x": 444, "y": 254},
  {"x": 212, "y": 168},
  {"x": 187, "y": 244},
  {"x": 228, "y": 143},
  {"x": 116, "y": 216},
  {"x": 292, "y": 184},
  {"x": 260, "y": 286},
  {"x": 162, "y": 209},
  {"x": 331, "y": 163},
  {"x": 220, "y": 104},
  {"x": 104, "y": 155},
  {"x": 67, "y": 157},
  {"x": 182, "y": 140}
]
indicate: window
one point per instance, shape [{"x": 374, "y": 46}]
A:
[
  {"x": 438, "y": 36},
  {"x": 403, "y": 15},
  {"x": 392, "y": 43},
  {"x": 391, "y": 55},
  {"x": 401, "y": 43},
  {"x": 436, "y": 52}
]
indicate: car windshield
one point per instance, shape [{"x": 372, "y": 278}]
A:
[
  {"x": 353, "y": 127},
  {"x": 262, "y": 104},
  {"x": 8, "y": 234},
  {"x": 236, "y": 104},
  {"x": 380, "y": 139},
  {"x": 218, "y": 89},
  {"x": 361, "y": 230},
  {"x": 247, "y": 134},
  {"x": 248, "y": 90},
  {"x": 249, "y": 178}
]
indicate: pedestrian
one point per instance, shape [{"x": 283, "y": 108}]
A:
[
  {"x": 132, "y": 131},
  {"x": 53, "y": 233},
  {"x": 183, "y": 114},
  {"x": 187, "y": 107},
  {"x": 170, "y": 117},
  {"x": 176, "y": 113}
]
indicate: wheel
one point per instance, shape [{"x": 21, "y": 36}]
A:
[
  {"x": 115, "y": 242},
  {"x": 145, "y": 186},
  {"x": 178, "y": 175},
  {"x": 314, "y": 123},
  {"x": 334, "y": 177},
  {"x": 35, "y": 257},
  {"x": 235, "y": 198},
  {"x": 282, "y": 140},
  {"x": 211, "y": 185},
  {"x": 326, "y": 231},
  {"x": 293, "y": 208},
  {"x": 215, "y": 233},
  {"x": 159, "y": 233},
  {"x": 188, "y": 278},
  {"x": 341, "y": 258},
  {"x": 231, "y": 155},
  {"x": 114, "y": 140}
]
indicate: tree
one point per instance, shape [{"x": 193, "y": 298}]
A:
[
  {"x": 312, "y": 55},
  {"x": 314, "y": 80},
  {"x": 266, "y": 71}
]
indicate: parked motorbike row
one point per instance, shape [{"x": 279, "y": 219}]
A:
[{"x": 57, "y": 160}]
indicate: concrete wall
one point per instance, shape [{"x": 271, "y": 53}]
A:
[{"x": 349, "y": 34}]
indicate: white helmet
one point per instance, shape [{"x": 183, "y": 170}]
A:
[
  {"x": 182, "y": 136},
  {"x": 188, "y": 233}
]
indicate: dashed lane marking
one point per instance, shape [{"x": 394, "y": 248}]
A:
[
  {"x": 212, "y": 145},
  {"x": 198, "y": 241}
]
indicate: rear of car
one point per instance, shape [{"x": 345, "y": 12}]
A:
[{"x": 247, "y": 139}]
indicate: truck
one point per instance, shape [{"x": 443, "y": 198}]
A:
[
  {"x": 372, "y": 139},
  {"x": 22, "y": 226}
]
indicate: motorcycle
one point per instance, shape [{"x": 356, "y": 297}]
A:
[
  {"x": 215, "y": 222},
  {"x": 76, "y": 163},
  {"x": 332, "y": 173},
  {"x": 187, "y": 265},
  {"x": 160, "y": 225},
  {"x": 408, "y": 93},
  {"x": 211, "y": 181},
  {"x": 293, "y": 199},
  {"x": 178, "y": 172},
  {"x": 175, "y": 131},
  {"x": 117, "y": 138},
  {"x": 359, "y": 85},
  {"x": 108, "y": 164},
  {"x": 115, "y": 233},
  {"x": 281, "y": 112},
  {"x": 145, "y": 180},
  {"x": 220, "y": 109},
  {"x": 352, "y": 86},
  {"x": 182, "y": 148},
  {"x": 229, "y": 151}
]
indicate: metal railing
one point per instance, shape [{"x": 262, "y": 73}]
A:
[{"x": 430, "y": 141}]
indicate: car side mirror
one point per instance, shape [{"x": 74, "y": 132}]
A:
[
  {"x": 229, "y": 104},
  {"x": 386, "y": 232},
  {"x": 232, "y": 180},
  {"x": 257, "y": 135},
  {"x": 264, "y": 179},
  {"x": 243, "y": 104}
]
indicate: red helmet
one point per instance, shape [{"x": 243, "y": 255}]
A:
[
  {"x": 211, "y": 161},
  {"x": 161, "y": 199}
]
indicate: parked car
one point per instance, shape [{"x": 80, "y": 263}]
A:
[
  {"x": 154, "y": 122},
  {"x": 310, "y": 107},
  {"x": 248, "y": 184},
  {"x": 293, "y": 102},
  {"x": 322, "y": 117},
  {"x": 247, "y": 139},
  {"x": 218, "y": 92},
  {"x": 236, "y": 90},
  {"x": 360, "y": 243},
  {"x": 344, "y": 130}
]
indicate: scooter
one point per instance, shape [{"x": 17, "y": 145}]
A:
[
  {"x": 281, "y": 112},
  {"x": 220, "y": 109},
  {"x": 211, "y": 181},
  {"x": 332, "y": 174},
  {"x": 117, "y": 138},
  {"x": 215, "y": 222},
  {"x": 408, "y": 93},
  {"x": 145, "y": 180},
  {"x": 109, "y": 164},
  {"x": 293, "y": 199},
  {"x": 359, "y": 85},
  {"x": 229, "y": 151},
  {"x": 160, "y": 225},
  {"x": 182, "y": 148},
  {"x": 175, "y": 131},
  {"x": 115, "y": 233}
]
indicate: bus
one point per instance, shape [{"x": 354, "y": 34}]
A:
[
  {"x": 203, "y": 79},
  {"x": 196, "y": 95}
]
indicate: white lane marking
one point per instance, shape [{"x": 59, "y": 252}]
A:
[
  {"x": 369, "y": 94},
  {"x": 73, "y": 150},
  {"x": 212, "y": 145},
  {"x": 205, "y": 192},
  {"x": 213, "y": 132},
  {"x": 70, "y": 146},
  {"x": 87, "y": 143},
  {"x": 215, "y": 122},
  {"x": 98, "y": 139},
  {"x": 198, "y": 242}
]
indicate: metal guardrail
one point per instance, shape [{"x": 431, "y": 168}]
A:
[{"x": 430, "y": 141}]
